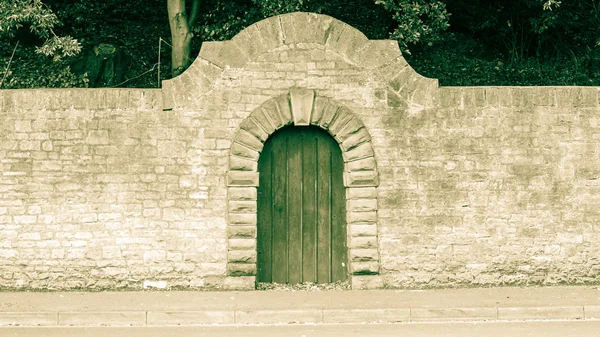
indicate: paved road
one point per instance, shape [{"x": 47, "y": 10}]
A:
[{"x": 500, "y": 329}]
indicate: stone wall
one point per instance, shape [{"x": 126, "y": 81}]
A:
[
  {"x": 446, "y": 186},
  {"x": 496, "y": 186}
]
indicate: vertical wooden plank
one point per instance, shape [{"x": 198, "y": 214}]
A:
[
  {"x": 294, "y": 203},
  {"x": 339, "y": 252},
  {"x": 280, "y": 217},
  {"x": 323, "y": 211},
  {"x": 302, "y": 214},
  {"x": 309, "y": 210},
  {"x": 264, "y": 215}
]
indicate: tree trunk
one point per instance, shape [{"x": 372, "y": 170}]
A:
[{"x": 181, "y": 36}]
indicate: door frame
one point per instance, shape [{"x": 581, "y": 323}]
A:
[
  {"x": 311, "y": 253},
  {"x": 302, "y": 107}
]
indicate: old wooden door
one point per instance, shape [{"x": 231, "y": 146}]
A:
[{"x": 301, "y": 221}]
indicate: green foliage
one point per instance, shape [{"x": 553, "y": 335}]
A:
[
  {"x": 32, "y": 70},
  {"x": 133, "y": 25},
  {"x": 222, "y": 19},
  {"x": 511, "y": 42},
  {"x": 459, "y": 60},
  {"x": 18, "y": 14},
  {"x": 417, "y": 20},
  {"x": 520, "y": 29}
]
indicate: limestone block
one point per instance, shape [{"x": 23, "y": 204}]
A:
[
  {"x": 542, "y": 96},
  {"x": 242, "y": 164},
  {"x": 377, "y": 53},
  {"x": 302, "y": 105},
  {"x": 361, "y": 151},
  {"x": 353, "y": 128},
  {"x": 424, "y": 94},
  {"x": 361, "y": 205},
  {"x": 311, "y": 27},
  {"x": 505, "y": 96},
  {"x": 397, "y": 101},
  {"x": 7, "y": 100},
  {"x": 241, "y": 269},
  {"x": 242, "y": 193},
  {"x": 328, "y": 114},
  {"x": 566, "y": 97},
  {"x": 173, "y": 214},
  {"x": 171, "y": 149},
  {"x": 240, "y": 150},
  {"x": 357, "y": 230},
  {"x": 238, "y": 206},
  {"x": 365, "y": 164},
  {"x": 364, "y": 254},
  {"x": 22, "y": 126},
  {"x": 47, "y": 146},
  {"x": 8, "y": 253},
  {"x": 362, "y": 217},
  {"x": 320, "y": 104},
  {"x": 288, "y": 30},
  {"x": 284, "y": 109},
  {"x": 64, "y": 187},
  {"x": 264, "y": 120},
  {"x": 242, "y": 244},
  {"x": 250, "y": 42},
  {"x": 345, "y": 40},
  {"x": 364, "y": 268},
  {"x": 588, "y": 98},
  {"x": 29, "y": 145},
  {"x": 239, "y": 283},
  {"x": 361, "y": 192},
  {"x": 249, "y": 140},
  {"x": 47, "y": 166},
  {"x": 153, "y": 256},
  {"x": 242, "y": 256},
  {"x": 400, "y": 79},
  {"x": 361, "y": 178},
  {"x": 242, "y": 178},
  {"x": 367, "y": 282},
  {"x": 224, "y": 54},
  {"x": 344, "y": 116},
  {"x": 252, "y": 126},
  {"x": 270, "y": 33},
  {"x": 271, "y": 112},
  {"x": 242, "y": 219},
  {"x": 241, "y": 232},
  {"x": 363, "y": 242}
]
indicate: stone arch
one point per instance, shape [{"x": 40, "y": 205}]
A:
[
  {"x": 380, "y": 56},
  {"x": 302, "y": 107}
]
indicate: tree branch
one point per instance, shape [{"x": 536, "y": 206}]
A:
[{"x": 194, "y": 13}]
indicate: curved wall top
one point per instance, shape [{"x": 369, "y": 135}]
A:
[{"x": 279, "y": 31}]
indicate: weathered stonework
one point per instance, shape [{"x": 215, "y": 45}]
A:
[
  {"x": 301, "y": 108},
  {"x": 445, "y": 186}
]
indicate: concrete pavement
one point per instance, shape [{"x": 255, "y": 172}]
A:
[
  {"x": 471, "y": 329},
  {"x": 169, "y": 308}
]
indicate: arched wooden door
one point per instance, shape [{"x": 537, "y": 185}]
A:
[{"x": 301, "y": 221}]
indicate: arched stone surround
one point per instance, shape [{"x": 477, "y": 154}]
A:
[{"x": 302, "y": 107}]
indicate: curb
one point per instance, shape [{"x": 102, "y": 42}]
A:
[{"x": 304, "y": 316}]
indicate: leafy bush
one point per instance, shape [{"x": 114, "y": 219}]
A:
[
  {"x": 458, "y": 60},
  {"x": 31, "y": 70}
]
